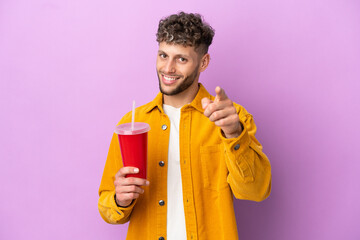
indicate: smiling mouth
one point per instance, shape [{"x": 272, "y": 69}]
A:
[{"x": 169, "y": 79}]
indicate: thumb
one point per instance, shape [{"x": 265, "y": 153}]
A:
[{"x": 205, "y": 102}]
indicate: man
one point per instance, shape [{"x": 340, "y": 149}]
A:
[{"x": 202, "y": 150}]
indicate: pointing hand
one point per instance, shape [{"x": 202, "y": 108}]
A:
[{"x": 222, "y": 112}]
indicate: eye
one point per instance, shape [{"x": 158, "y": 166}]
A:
[
  {"x": 183, "y": 60},
  {"x": 162, "y": 55}
]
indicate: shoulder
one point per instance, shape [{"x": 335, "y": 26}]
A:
[{"x": 139, "y": 113}]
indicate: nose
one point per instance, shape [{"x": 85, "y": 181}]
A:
[{"x": 169, "y": 67}]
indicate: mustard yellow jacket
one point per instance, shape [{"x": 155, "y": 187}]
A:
[{"x": 213, "y": 169}]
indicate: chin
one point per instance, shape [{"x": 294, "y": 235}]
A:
[{"x": 169, "y": 92}]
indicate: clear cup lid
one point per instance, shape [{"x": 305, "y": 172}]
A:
[{"x": 125, "y": 129}]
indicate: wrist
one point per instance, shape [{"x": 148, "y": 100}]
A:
[
  {"x": 233, "y": 134},
  {"x": 120, "y": 204}
]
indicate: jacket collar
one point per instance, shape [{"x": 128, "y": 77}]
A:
[{"x": 196, "y": 103}]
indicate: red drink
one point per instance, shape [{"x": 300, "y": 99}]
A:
[{"x": 133, "y": 146}]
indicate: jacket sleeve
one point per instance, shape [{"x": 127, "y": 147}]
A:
[
  {"x": 108, "y": 209},
  {"x": 249, "y": 168}
]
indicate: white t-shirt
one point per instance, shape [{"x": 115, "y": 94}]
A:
[{"x": 176, "y": 229}]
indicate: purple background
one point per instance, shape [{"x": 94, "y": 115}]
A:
[{"x": 70, "y": 69}]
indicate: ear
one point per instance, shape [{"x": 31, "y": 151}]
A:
[{"x": 204, "y": 62}]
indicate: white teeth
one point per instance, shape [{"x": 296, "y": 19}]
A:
[{"x": 169, "y": 78}]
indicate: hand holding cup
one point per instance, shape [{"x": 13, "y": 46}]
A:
[{"x": 128, "y": 188}]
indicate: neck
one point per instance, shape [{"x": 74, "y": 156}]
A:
[{"x": 182, "y": 98}]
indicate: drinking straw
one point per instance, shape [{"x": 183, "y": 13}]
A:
[{"x": 133, "y": 116}]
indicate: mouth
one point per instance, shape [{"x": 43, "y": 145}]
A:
[{"x": 168, "y": 79}]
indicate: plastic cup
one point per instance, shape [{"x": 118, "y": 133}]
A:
[{"x": 133, "y": 146}]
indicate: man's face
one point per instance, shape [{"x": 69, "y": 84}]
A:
[{"x": 177, "y": 68}]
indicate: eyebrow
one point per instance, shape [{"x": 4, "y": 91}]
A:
[{"x": 177, "y": 55}]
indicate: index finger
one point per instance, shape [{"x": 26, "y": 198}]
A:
[
  {"x": 126, "y": 170},
  {"x": 220, "y": 94}
]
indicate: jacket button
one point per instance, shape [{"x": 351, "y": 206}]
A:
[
  {"x": 164, "y": 127},
  {"x": 161, "y": 163},
  {"x": 161, "y": 202},
  {"x": 237, "y": 146},
  {"x": 161, "y": 238}
]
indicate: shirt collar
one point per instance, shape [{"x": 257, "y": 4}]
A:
[{"x": 196, "y": 103}]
